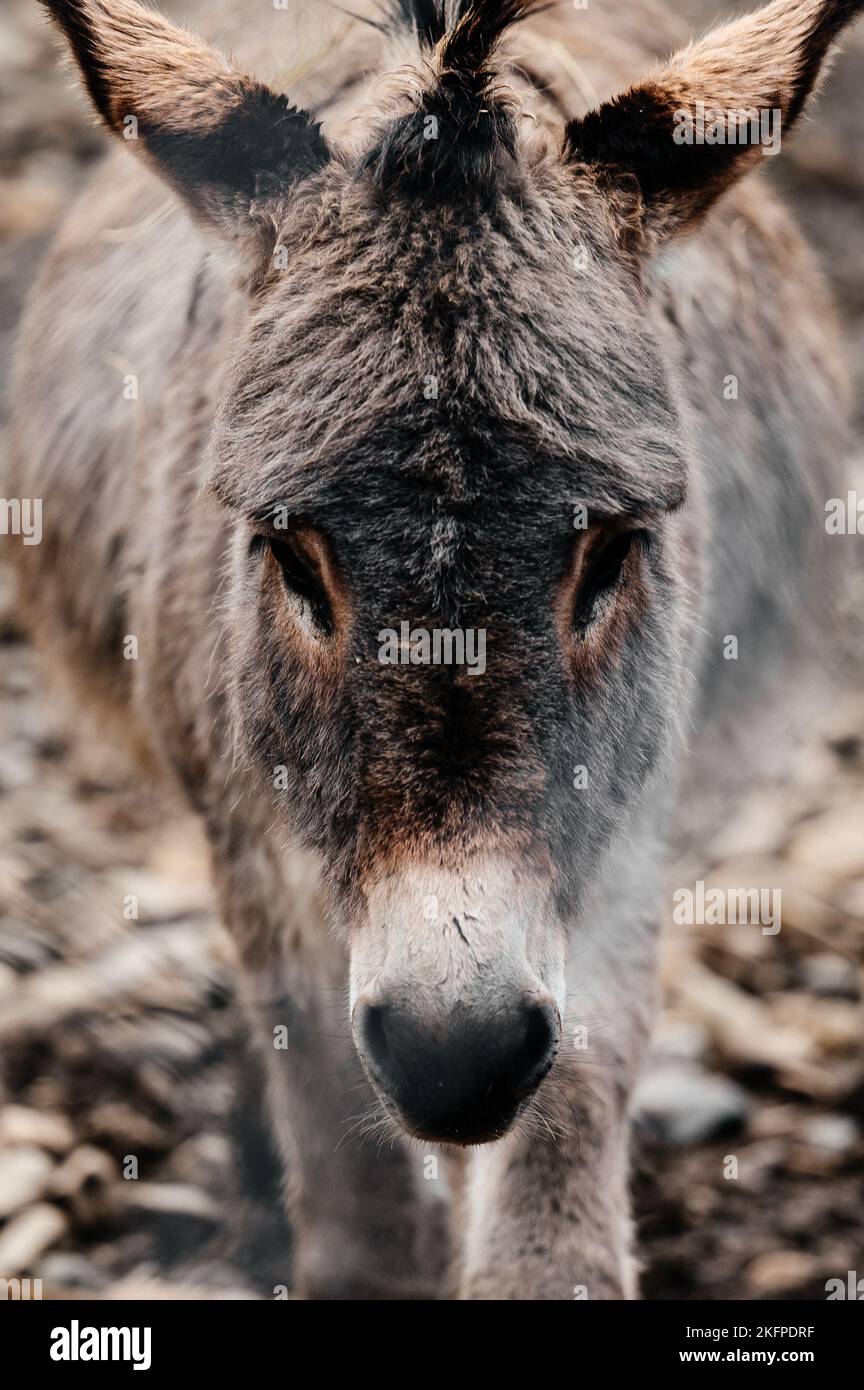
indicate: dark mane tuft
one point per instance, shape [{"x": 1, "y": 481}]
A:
[
  {"x": 470, "y": 29},
  {"x": 473, "y": 33},
  {"x": 459, "y": 128}
]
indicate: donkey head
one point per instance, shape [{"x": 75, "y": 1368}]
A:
[{"x": 452, "y": 457}]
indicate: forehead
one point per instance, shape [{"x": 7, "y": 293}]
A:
[{"x": 452, "y": 360}]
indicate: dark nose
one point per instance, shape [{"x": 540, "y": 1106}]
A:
[{"x": 461, "y": 1081}]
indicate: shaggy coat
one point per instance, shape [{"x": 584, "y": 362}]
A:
[{"x": 450, "y": 335}]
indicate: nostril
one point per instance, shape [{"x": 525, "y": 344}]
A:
[
  {"x": 373, "y": 1035},
  {"x": 537, "y": 1052}
]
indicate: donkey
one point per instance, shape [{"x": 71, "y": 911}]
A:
[{"x": 452, "y": 347}]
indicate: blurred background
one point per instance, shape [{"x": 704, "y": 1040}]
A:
[{"x": 119, "y": 1039}]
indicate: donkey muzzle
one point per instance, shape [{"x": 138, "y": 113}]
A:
[
  {"x": 462, "y": 1079},
  {"x": 456, "y": 992}
]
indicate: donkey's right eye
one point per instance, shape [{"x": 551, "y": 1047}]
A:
[{"x": 303, "y": 584}]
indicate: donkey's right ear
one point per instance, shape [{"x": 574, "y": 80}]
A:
[
  {"x": 229, "y": 145},
  {"x": 755, "y": 73}
]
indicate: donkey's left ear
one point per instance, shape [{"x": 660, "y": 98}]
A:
[
  {"x": 712, "y": 111},
  {"x": 227, "y": 144}
]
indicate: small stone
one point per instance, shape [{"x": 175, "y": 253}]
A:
[
  {"x": 684, "y": 1105},
  {"x": 24, "y": 1239},
  {"x": 837, "y": 1133},
  {"x": 19, "y": 1124},
  {"x": 171, "y": 1199},
  {"x": 65, "y": 1269},
  {"x": 829, "y": 975},
  {"x": 24, "y": 1175},
  {"x": 781, "y": 1271}
]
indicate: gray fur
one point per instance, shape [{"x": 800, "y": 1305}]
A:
[{"x": 303, "y": 385}]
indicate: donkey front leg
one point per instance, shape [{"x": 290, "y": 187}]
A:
[
  {"x": 366, "y": 1224},
  {"x": 548, "y": 1214},
  {"x": 548, "y": 1209}
]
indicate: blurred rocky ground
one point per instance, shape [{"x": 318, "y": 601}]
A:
[{"x": 121, "y": 1053}]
